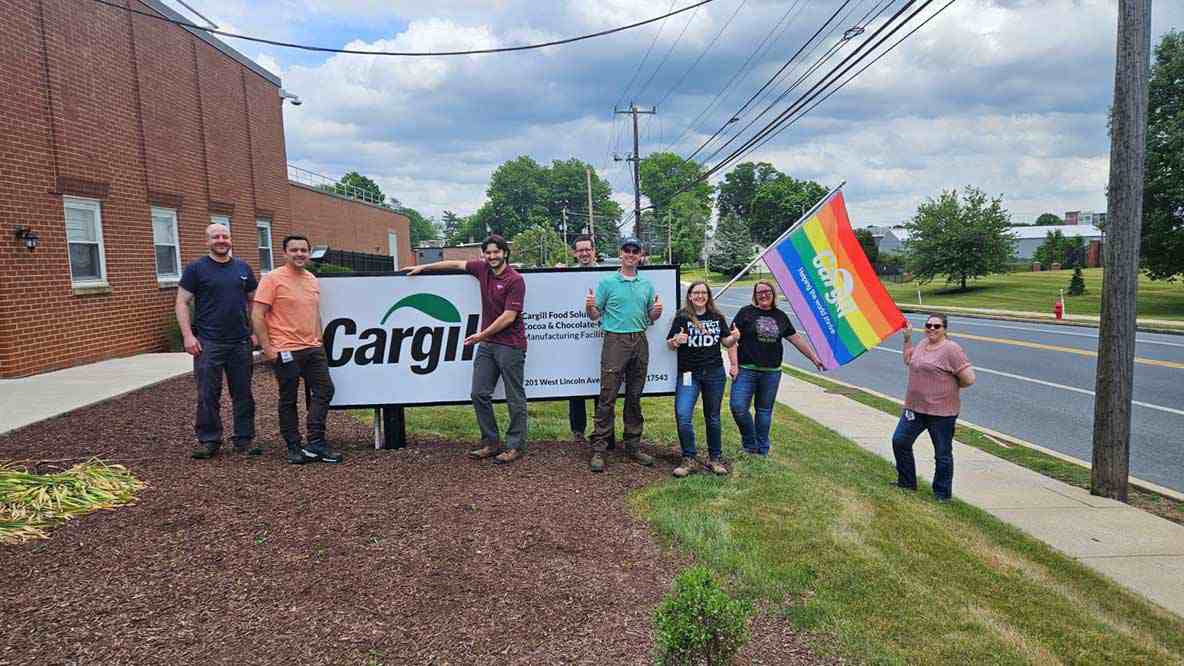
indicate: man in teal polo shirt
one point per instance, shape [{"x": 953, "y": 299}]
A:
[{"x": 627, "y": 305}]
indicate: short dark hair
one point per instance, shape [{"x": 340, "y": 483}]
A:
[
  {"x": 581, "y": 238},
  {"x": 494, "y": 239},
  {"x": 294, "y": 237}
]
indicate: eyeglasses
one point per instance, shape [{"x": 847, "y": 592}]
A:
[
  {"x": 764, "y": 292},
  {"x": 700, "y": 292},
  {"x": 934, "y": 327}
]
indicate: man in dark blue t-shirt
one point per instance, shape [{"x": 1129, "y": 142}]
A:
[{"x": 220, "y": 287}]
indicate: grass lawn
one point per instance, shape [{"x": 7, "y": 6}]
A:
[
  {"x": 879, "y": 575},
  {"x": 1036, "y": 292},
  {"x": 1050, "y": 466},
  {"x": 719, "y": 279}
]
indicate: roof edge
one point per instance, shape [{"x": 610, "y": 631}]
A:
[{"x": 169, "y": 12}]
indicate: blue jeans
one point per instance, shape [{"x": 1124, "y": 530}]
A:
[
  {"x": 761, "y": 385},
  {"x": 941, "y": 431},
  {"x": 710, "y": 382}
]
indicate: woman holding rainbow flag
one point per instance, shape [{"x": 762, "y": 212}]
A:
[
  {"x": 755, "y": 364},
  {"x": 938, "y": 371}
]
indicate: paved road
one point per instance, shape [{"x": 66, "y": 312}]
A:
[{"x": 1036, "y": 382}]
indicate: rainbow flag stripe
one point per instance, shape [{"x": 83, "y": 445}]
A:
[{"x": 831, "y": 286}]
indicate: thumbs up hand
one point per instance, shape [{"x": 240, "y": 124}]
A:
[
  {"x": 735, "y": 332},
  {"x": 656, "y": 308},
  {"x": 590, "y": 300}
]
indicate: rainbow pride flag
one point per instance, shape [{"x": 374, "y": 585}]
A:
[{"x": 831, "y": 286}]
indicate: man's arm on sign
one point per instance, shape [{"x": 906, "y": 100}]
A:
[{"x": 504, "y": 319}]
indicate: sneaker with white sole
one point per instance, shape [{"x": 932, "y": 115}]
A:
[{"x": 320, "y": 451}]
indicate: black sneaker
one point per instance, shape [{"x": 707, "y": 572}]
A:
[
  {"x": 296, "y": 455},
  {"x": 314, "y": 451},
  {"x": 245, "y": 446},
  {"x": 206, "y": 450}
]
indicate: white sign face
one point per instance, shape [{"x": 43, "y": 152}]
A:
[{"x": 398, "y": 340}]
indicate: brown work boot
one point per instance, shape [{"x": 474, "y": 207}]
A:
[
  {"x": 716, "y": 466},
  {"x": 487, "y": 450},
  {"x": 688, "y": 467},
  {"x": 597, "y": 464},
  {"x": 644, "y": 459}
]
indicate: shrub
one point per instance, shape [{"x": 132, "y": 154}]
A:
[
  {"x": 698, "y": 623},
  {"x": 1077, "y": 282},
  {"x": 321, "y": 268}
]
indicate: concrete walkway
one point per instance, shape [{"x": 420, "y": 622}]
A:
[
  {"x": 32, "y": 399},
  {"x": 1139, "y": 551}
]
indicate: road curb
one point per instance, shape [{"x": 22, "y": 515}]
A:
[
  {"x": 1011, "y": 439},
  {"x": 978, "y": 314}
]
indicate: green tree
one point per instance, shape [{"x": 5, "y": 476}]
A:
[
  {"x": 422, "y": 228},
  {"x": 1075, "y": 251},
  {"x": 960, "y": 237},
  {"x": 1047, "y": 220},
  {"x": 1052, "y": 250},
  {"x": 538, "y": 246},
  {"x": 778, "y": 204},
  {"x": 739, "y": 188},
  {"x": 868, "y": 242},
  {"x": 1162, "y": 248},
  {"x": 567, "y": 187},
  {"x": 687, "y": 220},
  {"x": 452, "y": 224},
  {"x": 517, "y": 197},
  {"x": 665, "y": 175},
  {"x": 733, "y": 247},
  {"x": 353, "y": 181}
]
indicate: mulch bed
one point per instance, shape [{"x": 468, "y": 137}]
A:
[{"x": 413, "y": 556}]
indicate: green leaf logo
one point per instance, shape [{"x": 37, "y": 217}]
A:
[{"x": 429, "y": 304}]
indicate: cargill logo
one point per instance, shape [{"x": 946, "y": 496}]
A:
[{"x": 384, "y": 344}]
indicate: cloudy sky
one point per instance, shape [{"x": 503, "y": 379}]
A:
[{"x": 1007, "y": 95}]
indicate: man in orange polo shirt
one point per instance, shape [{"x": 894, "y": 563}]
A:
[{"x": 287, "y": 322}]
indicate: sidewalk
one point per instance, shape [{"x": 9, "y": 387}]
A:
[
  {"x": 1143, "y": 324},
  {"x": 31, "y": 399},
  {"x": 1139, "y": 551}
]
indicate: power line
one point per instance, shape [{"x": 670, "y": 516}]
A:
[
  {"x": 771, "y": 79},
  {"x": 406, "y": 54},
  {"x": 702, "y": 53},
  {"x": 820, "y": 86},
  {"x": 760, "y": 97},
  {"x": 665, "y": 57},
  {"x": 646, "y": 57},
  {"x": 737, "y": 74}
]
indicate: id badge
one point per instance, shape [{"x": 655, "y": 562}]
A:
[
  {"x": 686, "y": 379},
  {"x": 285, "y": 357},
  {"x": 909, "y": 415}
]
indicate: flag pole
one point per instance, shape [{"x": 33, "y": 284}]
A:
[{"x": 793, "y": 226}]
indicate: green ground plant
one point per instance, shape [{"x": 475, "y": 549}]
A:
[{"x": 699, "y": 623}]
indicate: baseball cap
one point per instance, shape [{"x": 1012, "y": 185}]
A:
[{"x": 630, "y": 240}]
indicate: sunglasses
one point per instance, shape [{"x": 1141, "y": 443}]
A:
[
  {"x": 630, "y": 250},
  {"x": 934, "y": 327}
]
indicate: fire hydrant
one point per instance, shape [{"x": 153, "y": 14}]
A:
[{"x": 1058, "y": 309}]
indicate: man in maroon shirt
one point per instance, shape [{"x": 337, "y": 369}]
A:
[{"x": 502, "y": 350}]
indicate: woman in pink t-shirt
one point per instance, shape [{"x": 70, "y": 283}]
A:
[{"x": 938, "y": 371}]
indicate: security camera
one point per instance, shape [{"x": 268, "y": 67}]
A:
[{"x": 294, "y": 99}]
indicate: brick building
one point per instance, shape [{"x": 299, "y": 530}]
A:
[{"x": 124, "y": 137}]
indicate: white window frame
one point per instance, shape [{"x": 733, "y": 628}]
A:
[
  {"x": 222, "y": 219},
  {"x": 167, "y": 278},
  {"x": 263, "y": 223},
  {"x": 96, "y": 207}
]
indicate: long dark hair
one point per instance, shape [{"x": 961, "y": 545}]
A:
[{"x": 688, "y": 310}]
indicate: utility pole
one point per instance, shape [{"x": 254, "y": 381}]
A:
[
  {"x": 591, "y": 219},
  {"x": 633, "y": 110},
  {"x": 1124, "y": 218},
  {"x": 565, "y": 226},
  {"x": 669, "y": 238}
]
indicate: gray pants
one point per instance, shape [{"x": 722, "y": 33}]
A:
[{"x": 493, "y": 361}]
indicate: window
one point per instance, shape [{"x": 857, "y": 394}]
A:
[
  {"x": 220, "y": 219},
  {"x": 164, "y": 239},
  {"x": 84, "y": 235},
  {"x": 263, "y": 229}
]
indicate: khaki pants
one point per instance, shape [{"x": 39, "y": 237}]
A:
[{"x": 625, "y": 357}]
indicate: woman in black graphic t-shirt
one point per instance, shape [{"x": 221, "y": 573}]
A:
[
  {"x": 756, "y": 364},
  {"x": 696, "y": 332}
]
